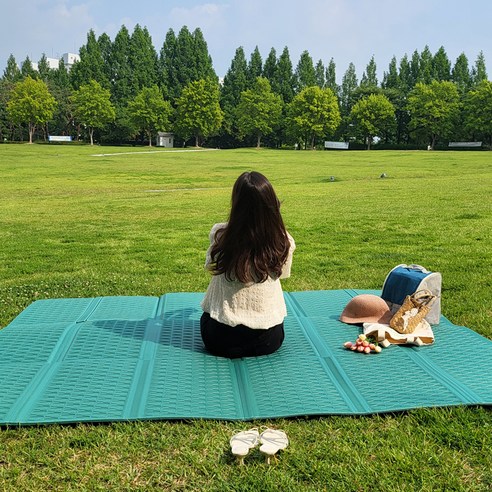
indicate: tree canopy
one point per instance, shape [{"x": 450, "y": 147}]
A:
[
  {"x": 149, "y": 112},
  {"x": 374, "y": 114},
  {"x": 31, "y": 103},
  {"x": 93, "y": 107},
  {"x": 313, "y": 113},
  {"x": 478, "y": 110},
  {"x": 198, "y": 112},
  {"x": 259, "y": 110},
  {"x": 130, "y": 63},
  {"x": 434, "y": 108}
]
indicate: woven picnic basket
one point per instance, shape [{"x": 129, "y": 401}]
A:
[{"x": 414, "y": 309}]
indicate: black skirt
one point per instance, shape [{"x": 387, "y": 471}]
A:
[{"x": 239, "y": 341}]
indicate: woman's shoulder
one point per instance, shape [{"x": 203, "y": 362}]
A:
[{"x": 291, "y": 241}]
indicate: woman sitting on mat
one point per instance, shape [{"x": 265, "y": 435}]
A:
[{"x": 244, "y": 308}]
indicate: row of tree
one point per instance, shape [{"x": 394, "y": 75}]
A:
[{"x": 124, "y": 90}]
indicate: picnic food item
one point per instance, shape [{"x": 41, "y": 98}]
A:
[{"x": 363, "y": 345}]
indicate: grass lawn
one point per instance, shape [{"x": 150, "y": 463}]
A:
[{"x": 78, "y": 221}]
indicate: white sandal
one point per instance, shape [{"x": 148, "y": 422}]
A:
[
  {"x": 242, "y": 442},
  {"x": 272, "y": 441}
]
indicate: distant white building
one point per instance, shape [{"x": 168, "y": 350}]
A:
[
  {"x": 52, "y": 62},
  {"x": 68, "y": 59}
]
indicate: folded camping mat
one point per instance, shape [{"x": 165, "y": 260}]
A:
[{"x": 127, "y": 358}]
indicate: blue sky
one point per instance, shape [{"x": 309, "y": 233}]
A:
[{"x": 347, "y": 30}]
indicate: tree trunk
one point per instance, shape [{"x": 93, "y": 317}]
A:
[
  {"x": 197, "y": 141},
  {"x": 258, "y": 141},
  {"x": 369, "y": 139},
  {"x": 150, "y": 138},
  {"x": 91, "y": 132},
  {"x": 433, "y": 142},
  {"x": 31, "y": 131}
]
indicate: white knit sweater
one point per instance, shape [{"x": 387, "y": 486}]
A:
[{"x": 256, "y": 305}]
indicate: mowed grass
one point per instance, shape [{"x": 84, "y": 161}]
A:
[{"x": 77, "y": 224}]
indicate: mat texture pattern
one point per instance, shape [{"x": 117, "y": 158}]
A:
[{"x": 128, "y": 358}]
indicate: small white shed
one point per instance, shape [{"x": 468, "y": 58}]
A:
[{"x": 165, "y": 139}]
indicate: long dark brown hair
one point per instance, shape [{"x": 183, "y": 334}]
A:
[{"x": 254, "y": 245}]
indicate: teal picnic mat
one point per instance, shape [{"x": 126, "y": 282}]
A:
[{"x": 126, "y": 358}]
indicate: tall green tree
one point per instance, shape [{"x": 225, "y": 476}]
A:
[
  {"x": 426, "y": 66},
  {"x": 142, "y": 59},
  {"x": 91, "y": 64},
  {"x": 11, "y": 75},
  {"x": 27, "y": 69},
  {"x": 405, "y": 75},
  {"x": 434, "y": 108},
  {"x": 149, "y": 112},
  {"x": 478, "y": 111},
  {"x": 395, "y": 88},
  {"x": 235, "y": 82},
  {"x": 168, "y": 77},
  {"x": 259, "y": 110},
  {"x": 44, "y": 69},
  {"x": 186, "y": 69},
  {"x": 479, "y": 71},
  {"x": 347, "y": 90},
  {"x": 183, "y": 59},
  {"x": 313, "y": 113},
  {"x": 106, "y": 48},
  {"x": 198, "y": 112},
  {"x": 285, "y": 77},
  {"x": 460, "y": 74},
  {"x": 391, "y": 78},
  {"x": 12, "y": 72},
  {"x": 121, "y": 69},
  {"x": 61, "y": 89},
  {"x": 203, "y": 60},
  {"x": 31, "y": 103},
  {"x": 305, "y": 74},
  {"x": 331, "y": 77},
  {"x": 374, "y": 115},
  {"x": 270, "y": 68},
  {"x": 5, "y": 89},
  {"x": 255, "y": 67},
  {"x": 415, "y": 70},
  {"x": 369, "y": 77},
  {"x": 319, "y": 72},
  {"x": 441, "y": 66},
  {"x": 92, "y": 107}
]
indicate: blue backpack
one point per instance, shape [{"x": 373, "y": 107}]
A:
[{"x": 404, "y": 280}]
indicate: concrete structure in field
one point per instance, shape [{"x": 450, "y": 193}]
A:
[{"x": 165, "y": 139}]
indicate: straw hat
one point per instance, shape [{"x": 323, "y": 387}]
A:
[{"x": 366, "y": 308}]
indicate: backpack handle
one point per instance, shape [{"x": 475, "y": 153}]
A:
[{"x": 418, "y": 268}]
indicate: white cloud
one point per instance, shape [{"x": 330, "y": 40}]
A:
[
  {"x": 207, "y": 15},
  {"x": 42, "y": 27}
]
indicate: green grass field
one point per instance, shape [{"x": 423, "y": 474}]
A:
[{"x": 77, "y": 224}]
